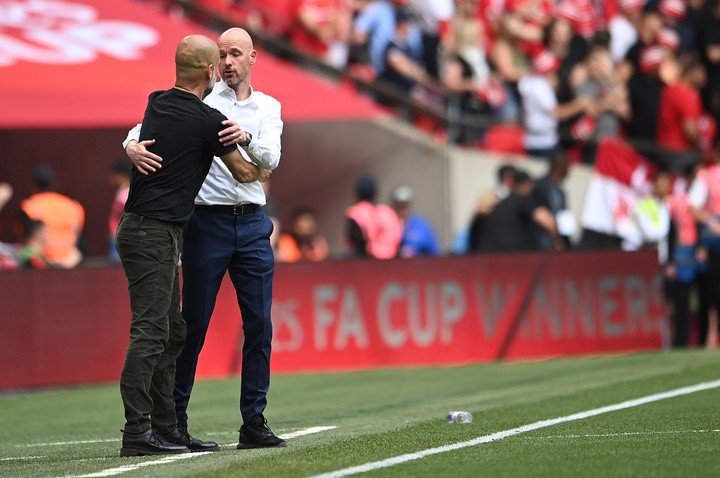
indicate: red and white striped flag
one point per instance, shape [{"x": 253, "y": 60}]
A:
[{"x": 621, "y": 178}]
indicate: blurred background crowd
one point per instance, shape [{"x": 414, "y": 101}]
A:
[
  {"x": 557, "y": 81},
  {"x": 517, "y": 75}
]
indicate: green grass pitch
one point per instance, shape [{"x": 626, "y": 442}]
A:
[{"x": 383, "y": 414}]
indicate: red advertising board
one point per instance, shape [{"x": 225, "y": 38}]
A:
[
  {"x": 66, "y": 327},
  {"x": 361, "y": 314}
]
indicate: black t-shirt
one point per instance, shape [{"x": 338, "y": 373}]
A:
[
  {"x": 645, "y": 92},
  {"x": 633, "y": 54},
  {"x": 186, "y": 134},
  {"x": 510, "y": 226}
]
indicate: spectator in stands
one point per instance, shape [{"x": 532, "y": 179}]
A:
[
  {"x": 302, "y": 242},
  {"x": 375, "y": 26},
  {"x": 686, "y": 266},
  {"x": 650, "y": 25},
  {"x": 322, "y": 28},
  {"x": 709, "y": 43},
  {"x": 120, "y": 179},
  {"x": 651, "y": 217},
  {"x": 679, "y": 113},
  {"x": 672, "y": 11},
  {"x": 486, "y": 204},
  {"x": 549, "y": 193},
  {"x": 418, "y": 236},
  {"x": 526, "y": 21},
  {"x": 464, "y": 100},
  {"x": 403, "y": 64},
  {"x": 511, "y": 225},
  {"x": 704, "y": 199},
  {"x": 570, "y": 49},
  {"x": 623, "y": 28},
  {"x": 373, "y": 230},
  {"x": 63, "y": 217},
  {"x": 435, "y": 16},
  {"x": 511, "y": 64},
  {"x": 644, "y": 89},
  {"x": 465, "y": 76},
  {"x": 584, "y": 16},
  {"x": 541, "y": 107},
  {"x": 609, "y": 104},
  {"x": 668, "y": 39},
  {"x": 466, "y": 39}
]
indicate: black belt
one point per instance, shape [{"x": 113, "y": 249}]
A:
[{"x": 236, "y": 209}]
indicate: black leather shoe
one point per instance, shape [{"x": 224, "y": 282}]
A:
[
  {"x": 181, "y": 437},
  {"x": 148, "y": 443},
  {"x": 257, "y": 434}
]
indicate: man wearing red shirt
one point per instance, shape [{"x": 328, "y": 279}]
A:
[
  {"x": 321, "y": 27},
  {"x": 679, "y": 113},
  {"x": 681, "y": 107}
]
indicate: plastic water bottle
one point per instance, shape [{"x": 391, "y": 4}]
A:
[{"x": 459, "y": 417}]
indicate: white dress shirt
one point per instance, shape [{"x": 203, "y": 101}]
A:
[{"x": 258, "y": 115}]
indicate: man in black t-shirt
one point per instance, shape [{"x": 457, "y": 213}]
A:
[
  {"x": 510, "y": 227},
  {"x": 185, "y": 131}
]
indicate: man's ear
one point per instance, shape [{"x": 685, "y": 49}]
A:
[{"x": 253, "y": 57}]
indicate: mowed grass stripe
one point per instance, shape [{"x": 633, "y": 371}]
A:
[
  {"x": 136, "y": 466},
  {"x": 366, "y": 467},
  {"x": 379, "y": 414},
  {"x": 659, "y": 453}
]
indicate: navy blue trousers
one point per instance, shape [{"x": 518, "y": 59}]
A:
[{"x": 216, "y": 242}]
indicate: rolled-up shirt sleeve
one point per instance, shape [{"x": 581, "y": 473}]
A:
[
  {"x": 266, "y": 148},
  {"x": 133, "y": 135}
]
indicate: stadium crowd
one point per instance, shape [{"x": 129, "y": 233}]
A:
[{"x": 522, "y": 75}]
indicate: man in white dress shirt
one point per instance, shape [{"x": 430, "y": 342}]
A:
[{"x": 228, "y": 231}]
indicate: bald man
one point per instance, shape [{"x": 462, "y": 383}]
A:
[
  {"x": 186, "y": 133},
  {"x": 229, "y": 233}
]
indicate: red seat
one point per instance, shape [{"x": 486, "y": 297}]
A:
[{"x": 504, "y": 138}]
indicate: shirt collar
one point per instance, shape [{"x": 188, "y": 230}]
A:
[{"x": 225, "y": 90}]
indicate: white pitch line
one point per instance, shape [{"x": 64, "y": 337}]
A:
[
  {"x": 126, "y": 468},
  {"x": 185, "y": 456},
  {"x": 307, "y": 431},
  {"x": 21, "y": 458},
  {"x": 376, "y": 465},
  {"x": 76, "y": 442},
  {"x": 299, "y": 433},
  {"x": 622, "y": 434}
]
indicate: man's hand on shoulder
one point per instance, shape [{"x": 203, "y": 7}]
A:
[
  {"x": 145, "y": 161},
  {"x": 233, "y": 134}
]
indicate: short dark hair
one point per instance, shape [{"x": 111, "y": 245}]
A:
[
  {"x": 521, "y": 177},
  {"x": 505, "y": 170},
  {"x": 44, "y": 177},
  {"x": 601, "y": 39},
  {"x": 301, "y": 211},
  {"x": 365, "y": 188}
]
